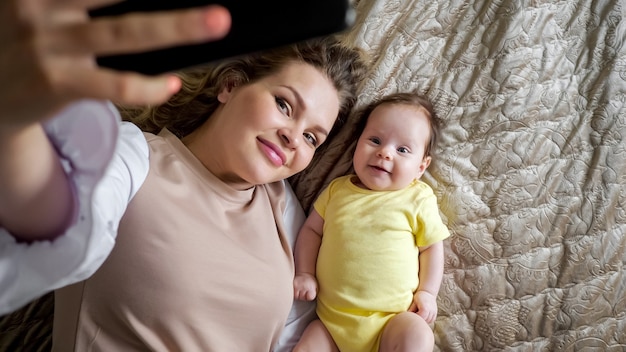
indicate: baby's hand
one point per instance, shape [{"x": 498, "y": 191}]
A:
[
  {"x": 304, "y": 287},
  {"x": 425, "y": 305}
]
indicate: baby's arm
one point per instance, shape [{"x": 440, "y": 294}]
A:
[
  {"x": 430, "y": 276},
  {"x": 305, "y": 255}
]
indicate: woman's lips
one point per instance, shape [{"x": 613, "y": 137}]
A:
[{"x": 273, "y": 152}]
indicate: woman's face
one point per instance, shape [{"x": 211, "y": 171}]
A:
[{"x": 268, "y": 130}]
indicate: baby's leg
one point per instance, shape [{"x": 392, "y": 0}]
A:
[
  {"x": 316, "y": 338},
  {"x": 406, "y": 332}
]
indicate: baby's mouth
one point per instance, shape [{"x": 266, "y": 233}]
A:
[{"x": 378, "y": 168}]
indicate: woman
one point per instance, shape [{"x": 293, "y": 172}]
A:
[{"x": 200, "y": 260}]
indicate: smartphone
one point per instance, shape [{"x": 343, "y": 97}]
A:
[{"x": 256, "y": 25}]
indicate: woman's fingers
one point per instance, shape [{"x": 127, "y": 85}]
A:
[
  {"x": 41, "y": 11},
  {"x": 138, "y": 32},
  {"x": 76, "y": 4},
  {"x": 120, "y": 87}
]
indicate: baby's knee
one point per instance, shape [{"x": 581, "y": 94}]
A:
[{"x": 407, "y": 332}]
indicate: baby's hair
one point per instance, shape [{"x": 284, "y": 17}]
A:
[{"x": 410, "y": 99}]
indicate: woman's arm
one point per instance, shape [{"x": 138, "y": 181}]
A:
[
  {"x": 47, "y": 60},
  {"x": 106, "y": 164},
  {"x": 36, "y": 201}
]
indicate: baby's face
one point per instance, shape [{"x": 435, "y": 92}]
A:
[{"x": 390, "y": 152}]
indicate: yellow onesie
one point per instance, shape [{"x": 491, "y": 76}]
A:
[{"x": 367, "y": 266}]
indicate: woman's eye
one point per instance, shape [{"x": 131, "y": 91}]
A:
[
  {"x": 403, "y": 150},
  {"x": 311, "y": 139},
  {"x": 283, "y": 105}
]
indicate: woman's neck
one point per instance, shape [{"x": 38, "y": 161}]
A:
[{"x": 209, "y": 156}]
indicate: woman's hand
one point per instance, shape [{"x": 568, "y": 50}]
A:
[{"x": 48, "y": 50}]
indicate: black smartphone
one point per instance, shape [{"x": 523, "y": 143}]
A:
[{"x": 256, "y": 25}]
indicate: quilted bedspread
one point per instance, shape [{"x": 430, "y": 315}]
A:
[{"x": 531, "y": 170}]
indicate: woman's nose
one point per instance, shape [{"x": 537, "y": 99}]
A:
[{"x": 290, "y": 137}]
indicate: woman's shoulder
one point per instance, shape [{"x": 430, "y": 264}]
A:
[{"x": 132, "y": 139}]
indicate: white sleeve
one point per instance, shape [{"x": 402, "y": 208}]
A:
[
  {"x": 302, "y": 312},
  {"x": 106, "y": 162}
]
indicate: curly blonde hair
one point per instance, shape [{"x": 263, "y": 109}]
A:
[{"x": 344, "y": 65}]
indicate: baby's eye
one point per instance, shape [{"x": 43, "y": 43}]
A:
[
  {"x": 283, "y": 105},
  {"x": 375, "y": 140},
  {"x": 310, "y": 137},
  {"x": 403, "y": 150}
]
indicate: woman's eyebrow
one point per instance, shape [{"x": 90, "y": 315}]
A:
[
  {"x": 299, "y": 99},
  {"x": 320, "y": 130}
]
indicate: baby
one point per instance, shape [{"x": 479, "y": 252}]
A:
[{"x": 371, "y": 251}]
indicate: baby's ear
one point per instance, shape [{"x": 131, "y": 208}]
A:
[{"x": 423, "y": 166}]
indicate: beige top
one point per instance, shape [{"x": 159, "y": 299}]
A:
[{"x": 197, "y": 266}]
